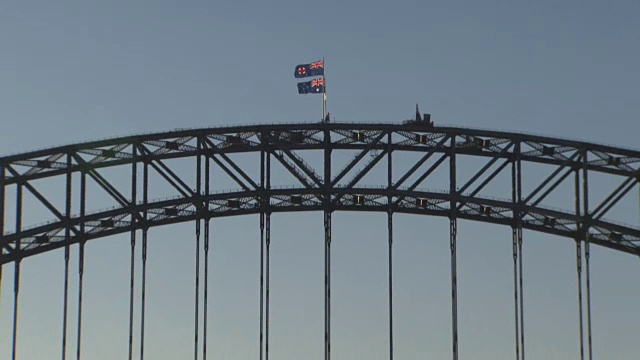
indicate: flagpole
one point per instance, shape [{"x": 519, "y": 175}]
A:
[{"x": 324, "y": 92}]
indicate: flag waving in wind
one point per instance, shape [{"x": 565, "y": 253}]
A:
[
  {"x": 315, "y": 68},
  {"x": 315, "y": 86}
]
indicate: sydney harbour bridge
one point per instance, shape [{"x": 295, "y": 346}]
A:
[{"x": 294, "y": 169}]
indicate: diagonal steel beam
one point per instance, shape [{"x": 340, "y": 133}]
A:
[
  {"x": 102, "y": 181},
  {"x": 366, "y": 169},
  {"x": 481, "y": 172},
  {"x": 428, "y": 172},
  {"x": 167, "y": 173},
  {"x": 240, "y": 171},
  {"x": 212, "y": 150},
  {"x": 41, "y": 198},
  {"x": 357, "y": 158},
  {"x": 423, "y": 176},
  {"x": 485, "y": 182},
  {"x": 228, "y": 172},
  {"x": 550, "y": 177},
  {"x": 420, "y": 162},
  {"x": 552, "y": 187},
  {"x": 614, "y": 197},
  {"x": 168, "y": 178},
  {"x": 292, "y": 170},
  {"x": 362, "y": 173},
  {"x": 296, "y": 159}
]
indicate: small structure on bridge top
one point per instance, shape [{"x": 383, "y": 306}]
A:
[{"x": 420, "y": 120}]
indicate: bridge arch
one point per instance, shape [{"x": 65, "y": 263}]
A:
[
  {"x": 324, "y": 187},
  {"x": 437, "y": 146}
]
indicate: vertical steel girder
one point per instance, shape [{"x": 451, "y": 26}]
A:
[
  {"x": 516, "y": 192},
  {"x": 514, "y": 231},
  {"x": 16, "y": 279},
  {"x": 265, "y": 241},
  {"x": 587, "y": 216},
  {"x": 83, "y": 209},
  {"x": 267, "y": 201},
  {"x": 452, "y": 243},
  {"x": 580, "y": 311},
  {"x": 145, "y": 230},
  {"x": 519, "y": 239},
  {"x": 206, "y": 260},
  {"x": 134, "y": 186},
  {"x": 67, "y": 235},
  {"x": 196, "y": 322},
  {"x": 390, "y": 240},
  {"x": 579, "y": 264},
  {"x": 262, "y": 218},
  {"x": 268, "y": 265},
  {"x": 327, "y": 245},
  {"x": 327, "y": 283}
]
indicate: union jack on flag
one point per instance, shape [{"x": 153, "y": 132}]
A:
[
  {"x": 315, "y": 68},
  {"x": 315, "y": 86},
  {"x": 317, "y": 65}
]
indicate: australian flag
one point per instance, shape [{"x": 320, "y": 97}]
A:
[
  {"x": 315, "y": 68},
  {"x": 315, "y": 86}
]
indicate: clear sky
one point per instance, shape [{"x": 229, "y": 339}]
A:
[{"x": 73, "y": 71}]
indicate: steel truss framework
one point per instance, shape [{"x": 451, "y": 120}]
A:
[{"x": 325, "y": 188}]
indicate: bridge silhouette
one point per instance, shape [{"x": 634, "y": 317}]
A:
[{"x": 519, "y": 181}]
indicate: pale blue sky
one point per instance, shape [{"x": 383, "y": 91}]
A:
[{"x": 73, "y": 71}]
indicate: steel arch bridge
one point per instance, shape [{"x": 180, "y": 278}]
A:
[{"x": 396, "y": 159}]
